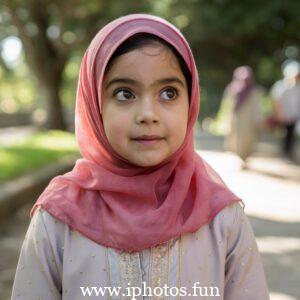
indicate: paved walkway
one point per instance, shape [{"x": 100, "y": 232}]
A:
[
  {"x": 271, "y": 191},
  {"x": 273, "y": 206}
]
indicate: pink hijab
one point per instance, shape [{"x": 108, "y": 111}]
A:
[{"x": 105, "y": 197}]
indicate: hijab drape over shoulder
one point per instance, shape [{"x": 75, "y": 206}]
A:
[{"x": 108, "y": 199}]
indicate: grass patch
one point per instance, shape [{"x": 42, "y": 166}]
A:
[{"x": 34, "y": 152}]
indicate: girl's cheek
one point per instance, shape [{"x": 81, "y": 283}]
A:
[{"x": 117, "y": 127}]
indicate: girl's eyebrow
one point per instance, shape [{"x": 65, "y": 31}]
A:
[{"x": 137, "y": 83}]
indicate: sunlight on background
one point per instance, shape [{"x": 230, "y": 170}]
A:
[
  {"x": 279, "y": 296},
  {"x": 273, "y": 207},
  {"x": 274, "y": 244},
  {"x": 11, "y": 50},
  {"x": 262, "y": 193}
]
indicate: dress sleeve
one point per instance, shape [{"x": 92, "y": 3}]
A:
[
  {"x": 244, "y": 274},
  {"x": 38, "y": 274}
]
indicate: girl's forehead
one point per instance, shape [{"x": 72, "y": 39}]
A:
[{"x": 148, "y": 58}]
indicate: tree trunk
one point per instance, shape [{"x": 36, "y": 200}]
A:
[
  {"x": 46, "y": 62},
  {"x": 55, "y": 116}
]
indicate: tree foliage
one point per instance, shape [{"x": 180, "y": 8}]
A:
[{"x": 223, "y": 34}]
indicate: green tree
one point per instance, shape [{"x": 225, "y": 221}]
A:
[
  {"x": 223, "y": 34},
  {"x": 227, "y": 33},
  {"x": 51, "y": 31}
]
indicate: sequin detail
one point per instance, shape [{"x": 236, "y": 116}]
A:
[{"x": 152, "y": 266}]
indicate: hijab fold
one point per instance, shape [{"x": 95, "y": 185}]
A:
[{"x": 108, "y": 199}]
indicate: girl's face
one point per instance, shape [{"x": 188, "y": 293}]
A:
[{"x": 145, "y": 105}]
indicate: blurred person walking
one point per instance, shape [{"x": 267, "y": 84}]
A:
[
  {"x": 242, "y": 102},
  {"x": 286, "y": 96}
]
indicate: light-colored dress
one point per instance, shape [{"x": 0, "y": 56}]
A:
[
  {"x": 244, "y": 124},
  {"x": 219, "y": 261}
]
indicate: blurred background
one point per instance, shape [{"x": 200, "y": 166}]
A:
[{"x": 41, "y": 46}]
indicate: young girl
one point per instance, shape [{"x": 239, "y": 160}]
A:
[{"x": 141, "y": 215}]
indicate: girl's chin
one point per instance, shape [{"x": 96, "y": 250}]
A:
[{"x": 148, "y": 162}]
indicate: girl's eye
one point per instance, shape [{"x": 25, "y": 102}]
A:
[
  {"x": 169, "y": 93},
  {"x": 123, "y": 94}
]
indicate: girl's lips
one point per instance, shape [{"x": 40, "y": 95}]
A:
[
  {"x": 148, "y": 141},
  {"x": 147, "y": 137}
]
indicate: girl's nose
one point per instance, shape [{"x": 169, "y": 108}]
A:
[{"x": 147, "y": 111}]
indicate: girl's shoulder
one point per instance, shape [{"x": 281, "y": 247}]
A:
[
  {"x": 45, "y": 226},
  {"x": 229, "y": 218},
  {"x": 45, "y": 219}
]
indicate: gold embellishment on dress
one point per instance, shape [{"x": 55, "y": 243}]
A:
[
  {"x": 179, "y": 265},
  {"x": 129, "y": 272},
  {"x": 168, "y": 265},
  {"x": 119, "y": 273},
  {"x": 108, "y": 268},
  {"x": 150, "y": 267},
  {"x": 159, "y": 267},
  {"x": 139, "y": 268}
]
